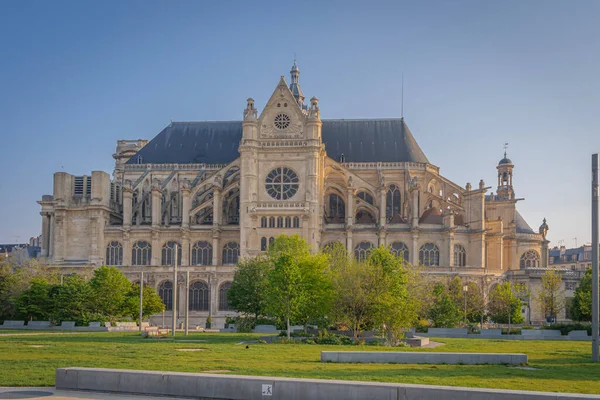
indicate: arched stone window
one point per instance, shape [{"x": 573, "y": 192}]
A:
[
  {"x": 296, "y": 222},
  {"x": 363, "y": 250},
  {"x": 280, "y": 222},
  {"x": 141, "y": 253},
  {"x": 263, "y": 222},
  {"x": 365, "y": 217},
  {"x": 263, "y": 244},
  {"x": 202, "y": 253},
  {"x": 199, "y": 296},
  {"x": 392, "y": 202},
  {"x": 165, "y": 292},
  {"x": 337, "y": 209},
  {"x": 168, "y": 253},
  {"x": 460, "y": 256},
  {"x": 399, "y": 249},
  {"x": 271, "y": 222},
  {"x": 231, "y": 253},
  {"x": 114, "y": 254},
  {"x": 530, "y": 259},
  {"x": 223, "y": 303},
  {"x": 366, "y": 197},
  {"x": 271, "y": 240},
  {"x": 288, "y": 222},
  {"x": 429, "y": 255}
]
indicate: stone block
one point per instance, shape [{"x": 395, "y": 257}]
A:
[
  {"x": 13, "y": 323},
  {"x": 532, "y": 333},
  {"x": 579, "y": 334},
  {"x": 491, "y": 332},
  {"x": 68, "y": 324},
  {"x": 38, "y": 324},
  {"x": 389, "y": 357},
  {"x": 551, "y": 333},
  {"x": 95, "y": 324},
  {"x": 266, "y": 329},
  {"x": 417, "y": 341},
  {"x": 447, "y": 331}
]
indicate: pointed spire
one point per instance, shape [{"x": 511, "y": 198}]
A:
[{"x": 295, "y": 85}]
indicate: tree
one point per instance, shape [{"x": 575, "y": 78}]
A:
[
  {"x": 444, "y": 313},
  {"x": 247, "y": 293},
  {"x": 475, "y": 301},
  {"x": 317, "y": 288},
  {"x": 71, "y": 301},
  {"x": 109, "y": 290},
  {"x": 151, "y": 302},
  {"x": 6, "y": 291},
  {"x": 581, "y": 308},
  {"x": 34, "y": 302},
  {"x": 551, "y": 296},
  {"x": 505, "y": 305}
]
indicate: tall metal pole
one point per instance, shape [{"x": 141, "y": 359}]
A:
[
  {"x": 141, "y": 298},
  {"x": 175, "y": 291},
  {"x": 187, "y": 300},
  {"x": 595, "y": 257}
]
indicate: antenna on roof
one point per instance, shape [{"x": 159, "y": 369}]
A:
[{"x": 402, "y": 100}]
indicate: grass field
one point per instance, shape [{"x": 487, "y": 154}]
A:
[{"x": 31, "y": 360}]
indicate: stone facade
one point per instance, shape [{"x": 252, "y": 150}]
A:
[{"x": 284, "y": 179}]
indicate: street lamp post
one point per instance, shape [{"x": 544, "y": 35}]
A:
[{"x": 465, "y": 291}]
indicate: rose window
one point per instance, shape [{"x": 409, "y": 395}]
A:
[
  {"x": 282, "y": 183},
  {"x": 282, "y": 121}
]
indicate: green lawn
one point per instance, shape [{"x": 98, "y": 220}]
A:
[{"x": 562, "y": 366}]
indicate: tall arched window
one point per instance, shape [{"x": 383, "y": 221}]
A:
[
  {"x": 202, "y": 253},
  {"x": 280, "y": 222},
  {"x": 199, "y": 296},
  {"x": 460, "y": 256},
  {"x": 272, "y": 222},
  {"x": 429, "y": 255},
  {"x": 399, "y": 249},
  {"x": 141, "y": 253},
  {"x": 231, "y": 253},
  {"x": 288, "y": 222},
  {"x": 168, "y": 253},
  {"x": 366, "y": 197},
  {"x": 165, "y": 292},
  {"x": 223, "y": 303},
  {"x": 392, "y": 202},
  {"x": 363, "y": 250},
  {"x": 296, "y": 222},
  {"x": 530, "y": 259},
  {"x": 337, "y": 209},
  {"x": 263, "y": 244},
  {"x": 263, "y": 222},
  {"x": 114, "y": 254}
]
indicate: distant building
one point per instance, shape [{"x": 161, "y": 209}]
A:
[
  {"x": 577, "y": 259},
  {"x": 19, "y": 253}
]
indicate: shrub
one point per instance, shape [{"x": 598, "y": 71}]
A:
[
  {"x": 422, "y": 326},
  {"x": 565, "y": 328}
]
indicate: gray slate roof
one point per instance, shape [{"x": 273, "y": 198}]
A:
[
  {"x": 522, "y": 225},
  {"x": 361, "y": 140}
]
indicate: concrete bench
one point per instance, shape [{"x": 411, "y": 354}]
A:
[
  {"x": 491, "y": 332},
  {"x": 393, "y": 357},
  {"x": 13, "y": 324},
  {"x": 95, "y": 324},
  {"x": 38, "y": 324},
  {"x": 126, "y": 325},
  {"x": 266, "y": 329},
  {"x": 68, "y": 324},
  {"x": 447, "y": 331},
  {"x": 236, "y": 387},
  {"x": 578, "y": 334}
]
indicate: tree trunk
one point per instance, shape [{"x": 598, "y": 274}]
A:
[{"x": 288, "y": 328}]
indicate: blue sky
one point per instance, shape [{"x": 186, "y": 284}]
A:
[{"x": 77, "y": 76}]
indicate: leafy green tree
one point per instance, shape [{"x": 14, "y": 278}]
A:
[
  {"x": 551, "y": 296},
  {"x": 6, "y": 291},
  {"x": 109, "y": 290},
  {"x": 475, "y": 301},
  {"x": 444, "y": 313},
  {"x": 248, "y": 290},
  {"x": 317, "y": 288},
  {"x": 505, "y": 305},
  {"x": 151, "y": 302},
  {"x": 581, "y": 308},
  {"x": 284, "y": 293},
  {"x": 34, "y": 303},
  {"x": 71, "y": 301}
]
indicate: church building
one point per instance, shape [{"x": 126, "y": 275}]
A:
[{"x": 205, "y": 194}]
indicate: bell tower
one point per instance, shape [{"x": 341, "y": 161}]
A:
[{"x": 505, "y": 178}]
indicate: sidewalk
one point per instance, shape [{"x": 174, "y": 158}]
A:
[{"x": 50, "y": 393}]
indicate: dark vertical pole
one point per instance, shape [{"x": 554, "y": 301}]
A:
[
  {"x": 141, "y": 298},
  {"x": 175, "y": 291},
  {"x": 187, "y": 301},
  {"x": 595, "y": 257}
]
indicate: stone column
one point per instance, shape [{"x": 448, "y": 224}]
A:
[
  {"x": 186, "y": 206},
  {"x": 213, "y": 283},
  {"x": 217, "y": 206},
  {"x": 216, "y": 251},
  {"x": 414, "y": 253},
  {"x": 185, "y": 250},
  {"x": 382, "y": 234},
  {"x": 127, "y": 206},
  {"x": 545, "y": 253},
  {"x": 415, "y": 208},
  {"x": 126, "y": 248},
  {"x": 382, "y": 205},
  {"x": 156, "y": 205},
  {"x": 350, "y": 207},
  {"x": 349, "y": 244},
  {"x": 45, "y": 233},
  {"x": 156, "y": 249},
  {"x": 450, "y": 248},
  {"x": 51, "y": 229}
]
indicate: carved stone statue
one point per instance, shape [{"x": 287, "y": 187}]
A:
[
  {"x": 544, "y": 229},
  {"x": 350, "y": 181}
]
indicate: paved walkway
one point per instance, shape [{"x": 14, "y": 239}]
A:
[{"x": 50, "y": 393}]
